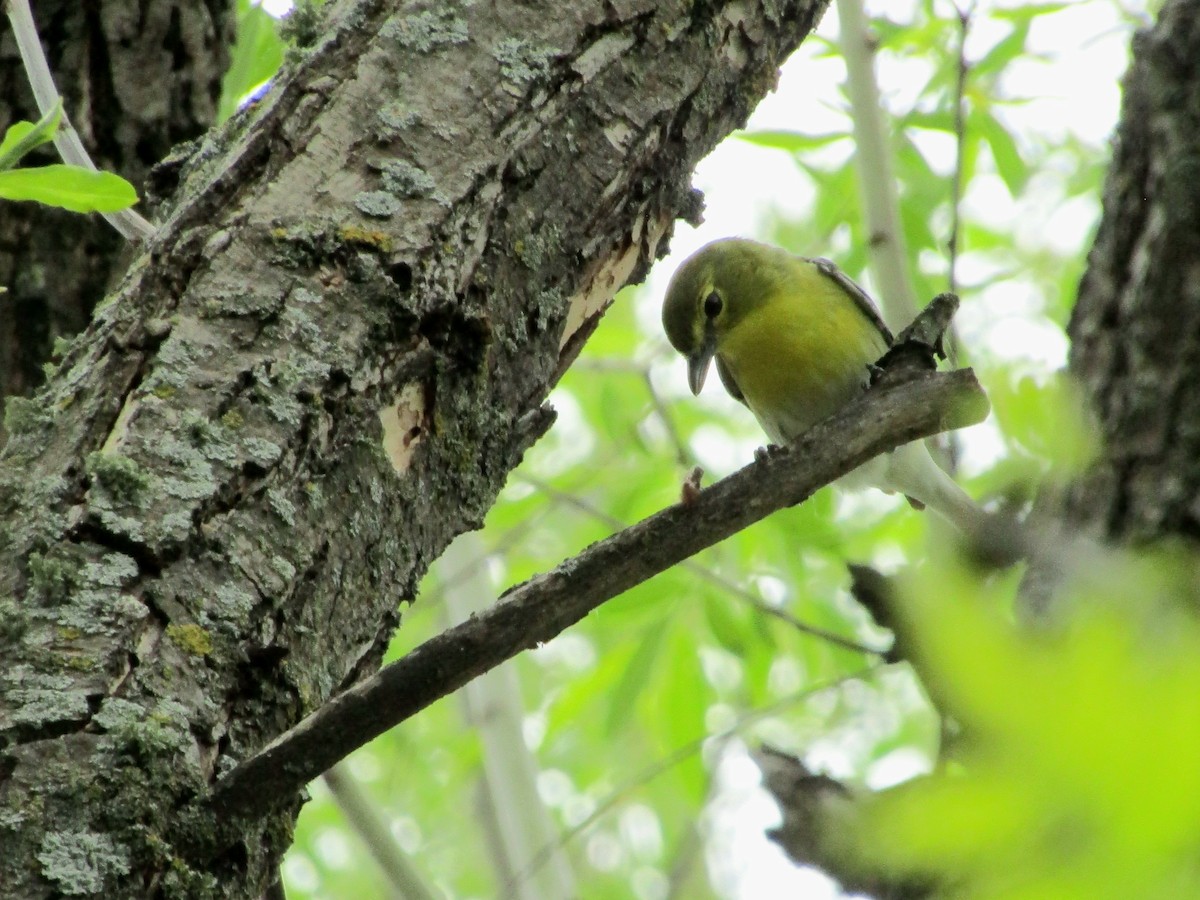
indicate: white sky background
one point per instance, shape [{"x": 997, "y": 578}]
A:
[{"x": 1074, "y": 93}]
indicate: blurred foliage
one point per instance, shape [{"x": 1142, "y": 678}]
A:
[
  {"x": 924, "y": 129},
  {"x": 1075, "y": 775},
  {"x": 637, "y": 718}
]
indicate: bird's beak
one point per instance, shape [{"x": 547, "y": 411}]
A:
[{"x": 698, "y": 364}]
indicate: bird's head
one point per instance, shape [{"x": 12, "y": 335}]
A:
[{"x": 710, "y": 293}]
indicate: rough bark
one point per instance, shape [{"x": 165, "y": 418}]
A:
[
  {"x": 135, "y": 79},
  {"x": 1135, "y": 331},
  {"x": 202, "y": 537}
]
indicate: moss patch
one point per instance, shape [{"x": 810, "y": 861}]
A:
[
  {"x": 123, "y": 478},
  {"x": 191, "y": 639}
]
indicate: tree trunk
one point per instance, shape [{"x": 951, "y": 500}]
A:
[
  {"x": 401, "y": 246},
  {"x": 135, "y": 79},
  {"x": 1135, "y": 331}
]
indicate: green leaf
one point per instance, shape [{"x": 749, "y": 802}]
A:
[
  {"x": 936, "y": 120},
  {"x": 837, "y": 202},
  {"x": 636, "y": 676},
  {"x": 1049, "y": 420},
  {"x": 22, "y": 137},
  {"x": 1027, "y": 12},
  {"x": 69, "y": 187},
  {"x": 1009, "y": 163},
  {"x": 679, "y": 700},
  {"x": 257, "y": 55},
  {"x": 1002, "y": 53},
  {"x": 791, "y": 141},
  {"x": 725, "y": 625}
]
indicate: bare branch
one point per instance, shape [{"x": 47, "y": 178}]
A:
[
  {"x": 876, "y": 173},
  {"x": 712, "y": 577},
  {"x": 963, "y": 68},
  {"x": 544, "y": 606},
  {"x": 820, "y": 815}
]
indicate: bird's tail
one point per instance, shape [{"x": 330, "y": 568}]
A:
[{"x": 913, "y": 472}]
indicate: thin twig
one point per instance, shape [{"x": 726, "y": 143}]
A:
[
  {"x": 363, "y": 818},
  {"x": 129, "y": 223},
  {"x": 683, "y": 454},
  {"x": 960, "y": 131},
  {"x": 886, "y": 246}
]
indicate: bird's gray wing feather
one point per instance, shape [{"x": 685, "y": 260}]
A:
[
  {"x": 730, "y": 385},
  {"x": 861, "y": 298}
]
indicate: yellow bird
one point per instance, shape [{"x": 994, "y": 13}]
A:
[{"x": 793, "y": 339}]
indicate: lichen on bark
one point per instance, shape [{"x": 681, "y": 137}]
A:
[{"x": 230, "y": 542}]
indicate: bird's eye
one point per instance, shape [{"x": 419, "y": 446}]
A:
[{"x": 712, "y": 305}]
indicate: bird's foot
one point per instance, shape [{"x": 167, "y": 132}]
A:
[
  {"x": 689, "y": 491},
  {"x": 762, "y": 454}
]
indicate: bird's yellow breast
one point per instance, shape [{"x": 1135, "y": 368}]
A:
[{"x": 797, "y": 360}]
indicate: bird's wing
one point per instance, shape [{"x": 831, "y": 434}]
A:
[
  {"x": 730, "y": 385},
  {"x": 860, "y": 297}
]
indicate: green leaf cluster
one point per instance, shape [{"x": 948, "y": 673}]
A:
[{"x": 1076, "y": 775}]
